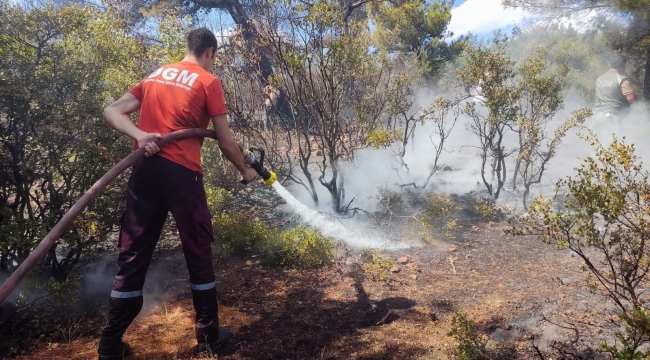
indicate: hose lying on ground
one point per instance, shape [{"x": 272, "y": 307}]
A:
[{"x": 17, "y": 276}]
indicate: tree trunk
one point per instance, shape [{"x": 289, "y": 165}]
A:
[
  {"x": 3, "y": 260},
  {"x": 483, "y": 162},
  {"x": 514, "y": 175},
  {"x": 646, "y": 82},
  {"x": 239, "y": 16}
]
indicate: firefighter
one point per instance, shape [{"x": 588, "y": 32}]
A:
[
  {"x": 614, "y": 95},
  {"x": 176, "y": 96}
]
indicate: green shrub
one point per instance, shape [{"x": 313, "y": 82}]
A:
[
  {"x": 604, "y": 221},
  {"x": 470, "y": 342},
  {"x": 237, "y": 234},
  {"x": 218, "y": 171},
  {"x": 482, "y": 207},
  {"x": 218, "y": 198},
  {"x": 378, "y": 265},
  {"x": 63, "y": 292},
  {"x": 392, "y": 201},
  {"x": 304, "y": 247},
  {"x": 437, "y": 214},
  {"x": 45, "y": 311}
]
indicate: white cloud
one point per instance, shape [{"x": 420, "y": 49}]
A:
[{"x": 482, "y": 17}]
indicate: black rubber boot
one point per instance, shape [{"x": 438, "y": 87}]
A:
[
  {"x": 113, "y": 348},
  {"x": 212, "y": 346}
]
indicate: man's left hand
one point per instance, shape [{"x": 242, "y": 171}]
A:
[{"x": 147, "y": 141}]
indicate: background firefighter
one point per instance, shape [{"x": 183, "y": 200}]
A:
[
  {"x": 176, "y": 96},
  {"x": 614, "y": 95}
]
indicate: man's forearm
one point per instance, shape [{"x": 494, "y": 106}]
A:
[
  {"x": 233, "y": 152},
  {"x": 122, "y": 123}
]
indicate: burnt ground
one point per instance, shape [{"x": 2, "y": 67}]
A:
[{"x": 521, "y": 293}]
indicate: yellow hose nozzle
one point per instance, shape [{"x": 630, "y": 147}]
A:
[{"x": 271, "y": 179}]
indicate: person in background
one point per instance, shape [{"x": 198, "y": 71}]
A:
[
  {"x": 178, "y": 96},
  {"x": 614, "y": 95}
]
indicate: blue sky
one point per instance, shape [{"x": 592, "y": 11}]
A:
[{"x": 482, "y": 17}]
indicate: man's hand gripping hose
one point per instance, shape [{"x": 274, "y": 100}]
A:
[
  {"x": 62, "y": 226},
  {"x": 268, "y": 177}
]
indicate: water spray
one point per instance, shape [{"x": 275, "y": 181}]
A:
[
  {"x": 325, "y": 225},
  {"x": 334, "y": 228}
]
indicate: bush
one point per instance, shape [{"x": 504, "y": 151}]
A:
[
  {"x": 605, "y": 222},
  {"x": 391, "y": 201},
  {"x": 422, "y": 215},
  {"x": 377, "y": 266},
  {"x": 305, "y": 248},
  {"x": 236, "y": 234},
  {"x": 241, "y": 234},
  {"x": 483, "y": 208},
  {"x": 470, "y": 342},
  {"x": 45, "y": 311},
  {"x": 218, "y": 172},
  {"x": 437, "y": 214}
]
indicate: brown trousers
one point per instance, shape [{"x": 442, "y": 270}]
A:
[{"x": 157, "y": 186}]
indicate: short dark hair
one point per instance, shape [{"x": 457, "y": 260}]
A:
[
  {"x": 617, "y": 62},
  {"x": 199, "y": 40}
]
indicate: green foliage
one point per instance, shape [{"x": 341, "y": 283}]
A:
[
  {"x": 235, "y": 233},
  {"x": 382, "y": 138},
  {"x": 415, "y": 27},
  {"x": 218, "y": 172},
  {"x": 391, "y": 201},
  {"x": 66, "y": 65},
  {"x": 298, "y": 247},
  {"x": 377, "y": 266},
  {"x": 305, "y": 248},
  {"x": 55, "y": 292},
  {"x": 581, "y": 54},
  {"x": 635, "y": 333},
  {"x": 489, "y": 69},
  {"x": 47, "y": 311},
  {"x": 239, "y": 234},
  {"x": 438, "y": 207},
  {"x": 171, "y": 48},
  {"x": 334, "y": 89},
  {"x": 604, "y": 221},
  {"x": 470, "y": 342},
  {"x": 437, "y": 214},
  {"x": 218, "y": 198},
  {"x": 442, "y": 55},
  {"x": 483, "y": 207},
  {"x": 430, "y": 214}
]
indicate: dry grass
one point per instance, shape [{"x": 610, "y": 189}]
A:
[{"x": 167, "y": 332}]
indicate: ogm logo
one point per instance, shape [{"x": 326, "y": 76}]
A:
[
  {"x": 184, "y": 77},
  {"x": 605, "y": 83}
]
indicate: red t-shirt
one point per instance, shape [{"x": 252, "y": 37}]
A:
[{"x": 179, "y": 96}]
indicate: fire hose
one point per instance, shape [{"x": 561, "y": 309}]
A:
[{"x": 44, "y": 246}]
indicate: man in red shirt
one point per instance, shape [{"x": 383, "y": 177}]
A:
[{"x": 178, "y": 96}]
